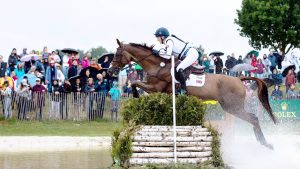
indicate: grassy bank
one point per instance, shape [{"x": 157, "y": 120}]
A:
[{"x": 57, "y": 128}]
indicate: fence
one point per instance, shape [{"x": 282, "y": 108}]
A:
[{"x": 52, "y": 106}]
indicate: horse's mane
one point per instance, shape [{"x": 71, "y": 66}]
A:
[{"x": 144, "y": 46}]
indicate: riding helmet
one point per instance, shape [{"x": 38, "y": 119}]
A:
[{"x": 162, "y": 32}]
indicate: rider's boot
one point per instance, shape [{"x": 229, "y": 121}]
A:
[{"x": 181, "y": 79}]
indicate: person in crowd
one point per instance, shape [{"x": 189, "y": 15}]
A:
[
  {"x": 77, "y": 88},
  {"x": 51, "y": 75},
  {"x": 139, "y": 71},
  {"x": 85, "y": 77},
  {"x": 260, "y": 69},
  {"x": 232, "y": 62},
  {"x": 206, "y": 63},
  {"x": 89, "y": 90},
  {"x": 253, "y": 63},
  {"x": 219, "y": 64},
  {"x": 212, "y": 65},
  {"x": 280, "y": 57},
  {"x": 65, "y": 89},
  {"x": 45, "y": 63},
  {"x": 272, "y": 59},
  {"x": 267, "y": 64},
  {"x": 23, "y": 99},
  {"x": 94, "y": 64},
  {"x": 39, "y": 65},
  {"x": 45, "y": 53},
  {"x": 248, "y": 60},
  {"x": 73, "y": 58},
  {"x": 13, "y": 59},
  {"x": 55, "y": 100},
  {"x": 14, "y": 76},
  {"x": 79, "y": 68},
  {"x": 115, "y": 94},
  {"x": 298, "y": 79},
  {"x": 122, "y": 77},
  {"x": 19, "y": 71},
  {"x": 24, "y": 52},
  {"x": 85, "y": 62},
  {"x": 73, "y": 70},
  {"x": 128, "y": 89},
  {"x": 276, "y": 93},
  {"x": 3, "y": 66},
  {"x": 132, "y": 75},
  {"x": 39, "y": 91},
  {"x": 65, "y": 65},
  {"x": 7, "y": 93},
  {"x": 60, "y": 75},
  {"x": 32, "y": 70},
  {"x": 291, "y": 93},
  {"x": 101, "y": 89},
  {"x": 240, "y": 60},
  {"x": 290, "y": 79},
  {"x": 277, "y": 77}
]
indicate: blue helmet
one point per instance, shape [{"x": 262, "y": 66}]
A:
[{"x": 162, "y": 32}]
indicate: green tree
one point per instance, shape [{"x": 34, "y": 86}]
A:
[
  {"x": 96, "y": 52},
  {"x": 270, "y": 23}
]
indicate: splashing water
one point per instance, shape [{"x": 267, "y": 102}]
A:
[{"x": 242, "y": 151}]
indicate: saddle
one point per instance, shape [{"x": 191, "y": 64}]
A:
[{"x": 199, "y": 70}]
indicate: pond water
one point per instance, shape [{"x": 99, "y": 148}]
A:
[{"x": 84, "y": 159}]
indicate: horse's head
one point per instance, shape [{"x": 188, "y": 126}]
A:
[{"x": 121, "y": 58}]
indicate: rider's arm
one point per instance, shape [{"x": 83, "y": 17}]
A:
[{"x": 169, "y": 50}]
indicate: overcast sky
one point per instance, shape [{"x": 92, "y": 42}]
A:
[{"x": 84, "y": 24}]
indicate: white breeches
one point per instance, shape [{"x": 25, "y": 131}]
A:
[{"x": 190, "y": 58}]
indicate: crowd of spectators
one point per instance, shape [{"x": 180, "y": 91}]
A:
[{"x": 270, "y": 66}]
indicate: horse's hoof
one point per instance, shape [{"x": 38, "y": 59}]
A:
[{"x": 270, "y": 146}]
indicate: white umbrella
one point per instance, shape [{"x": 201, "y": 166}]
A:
[
  {"x": 243, "y": 67},
  {"x": 29, "y": 57}
]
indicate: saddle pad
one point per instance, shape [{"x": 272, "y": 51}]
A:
[{"x": 196, "y": 80}]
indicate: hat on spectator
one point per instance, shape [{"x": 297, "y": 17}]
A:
[{"x": 37, "y": 79}]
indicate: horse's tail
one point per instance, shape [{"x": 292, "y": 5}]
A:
[{"x": 262, "y": 95}]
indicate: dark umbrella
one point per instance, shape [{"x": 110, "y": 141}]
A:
[
  {"x": 102, "y": 57},
  {"x": 93, "y": 72},
  {"x": 72, "y": 80},
  {"x": 69, "y": 50},
  {"x": 216, "y": 53},
  {"x": 256, "y": 53},
  {"x": 286, "y": 70}
]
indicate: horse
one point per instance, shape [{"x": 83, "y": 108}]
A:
[{"x": 229, "y": 91}]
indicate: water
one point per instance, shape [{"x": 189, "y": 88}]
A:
[
  {"x": 242, "y": 151},
  {"x": 84, "y": 159}
]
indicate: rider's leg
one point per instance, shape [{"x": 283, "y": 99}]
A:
[{"x": 191, "y": 57}]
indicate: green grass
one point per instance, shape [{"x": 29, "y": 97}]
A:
[{"x": 58, "y": 128}]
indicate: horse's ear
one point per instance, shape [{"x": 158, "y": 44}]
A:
[{"x": 119, "y": 43}]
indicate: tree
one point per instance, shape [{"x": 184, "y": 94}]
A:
[
  {"x": 96, "y": 52},
  {"x": 270, "y": 23}
]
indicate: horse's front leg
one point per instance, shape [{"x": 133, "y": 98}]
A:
[{"x": 149, "y": 88}]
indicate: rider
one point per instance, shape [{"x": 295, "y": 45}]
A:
[{"x": 177, "y": 48}]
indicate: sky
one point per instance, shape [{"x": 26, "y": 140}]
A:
[{"x": 83, "y": 24}]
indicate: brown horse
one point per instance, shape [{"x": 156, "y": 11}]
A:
[{"x": 228, "y": 91}]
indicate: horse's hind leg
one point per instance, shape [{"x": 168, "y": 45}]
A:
[{"x": 252, "y": 118}]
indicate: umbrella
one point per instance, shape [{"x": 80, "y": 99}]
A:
[
  {"x": 93, "y": 72},
  {"x": 286, "y": 70},
  {"x": 69, "y": 50},
  {"x": 29, "y": 57},
  {"x": 102, "y": 57},
  {"x": 216, "y": 53},
  {"x": 72, "y": 80},
  {"x": 256, "y": 53},
  {"x": 242, "y": 67},
  {"x": 31, "y": 79}
]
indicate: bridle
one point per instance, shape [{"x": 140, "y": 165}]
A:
[{"x": 118, "y": 59}]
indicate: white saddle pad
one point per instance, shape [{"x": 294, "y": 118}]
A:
[{"x": 195, "y": 80}]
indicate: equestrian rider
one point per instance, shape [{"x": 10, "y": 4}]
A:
[{"x": 177, "y": 48}]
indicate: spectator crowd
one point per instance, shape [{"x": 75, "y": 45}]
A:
[{"x": 56, "y": 74}]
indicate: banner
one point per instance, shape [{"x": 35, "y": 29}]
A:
[{"x": 286, "y": 109}]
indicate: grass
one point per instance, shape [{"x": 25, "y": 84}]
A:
[{"x": 57, "y": 128}]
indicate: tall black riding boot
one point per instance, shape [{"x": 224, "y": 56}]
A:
[{"x": 181, "y": 79}]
